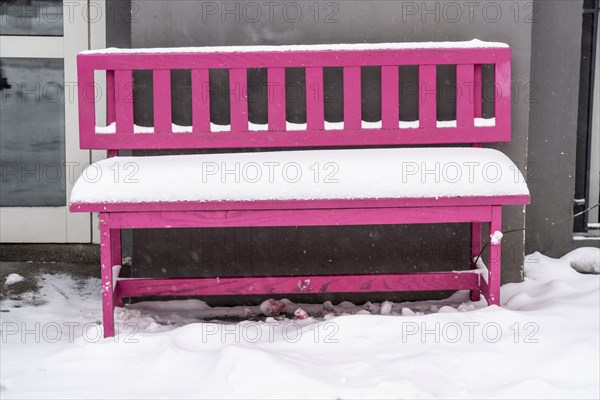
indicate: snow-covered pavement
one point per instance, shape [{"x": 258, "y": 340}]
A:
[{"x": 543, "y": 343}]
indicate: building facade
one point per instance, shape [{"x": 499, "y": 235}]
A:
[{"x": 555, "y": 137}]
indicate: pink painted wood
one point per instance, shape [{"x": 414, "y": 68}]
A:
[
  {"x": 492, "y": 292},
  {"x": 465, "y": 107},
  {"x": 162, "y": 101},
  {"x": 352, "y": 98},
  {"x": 110, "y": 97},
  {"x": 478, "y": 87},
  {"x": 86, "y": 95},
  {"x": 124, "y": 94},
  {"x": 476, "y": 245},
  {"x": 473, "y": 210},
  {"x": 107, "y": 259},
  {"x": 200, "y": 100},
  {"x": 313, "y": 61},
  {"x": 287, "y": 58},
  {"x": 307, "y": 138},
  {"x": 298, "y": 284},
  {"x": 304, "y": 217},
  {"x": 301, "y": 204},
  {"x": 116, "y": 258},
  {"x": 315, "y": 107},
  {"x": 276, "y": 99},
  {"x": 238, "y": 92},
  {"x": 502, "y": 95},
  {"x": 390, "y": 100},
  {"x": 427, "y": 96}
]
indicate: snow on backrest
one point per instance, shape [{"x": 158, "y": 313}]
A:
[{"x": 469, "y": 127}]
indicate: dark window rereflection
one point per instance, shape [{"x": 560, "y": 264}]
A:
[
  {"x": 32, "y": 17},
  {"x": 32, "y": 133}
]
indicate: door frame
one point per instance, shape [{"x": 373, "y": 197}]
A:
[{"x": 80, "y": 32}]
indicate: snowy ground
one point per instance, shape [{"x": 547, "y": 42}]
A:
[{"x": 542, "y": 343}]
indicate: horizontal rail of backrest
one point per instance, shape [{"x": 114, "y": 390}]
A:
[{"x": 123, "y": 134}]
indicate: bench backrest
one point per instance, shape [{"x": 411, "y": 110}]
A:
[{"x": 468, "y": 127}]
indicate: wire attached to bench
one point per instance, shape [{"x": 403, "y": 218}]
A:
[{"x": 538, "y": 226}]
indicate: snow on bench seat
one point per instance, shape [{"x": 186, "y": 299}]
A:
[{"x": 301, "y": 175}]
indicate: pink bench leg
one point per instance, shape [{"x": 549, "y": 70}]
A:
[
  {"x": 492, "y": 291},
  {"x": 117, "y": 259},
  {"x": 106, "y": 260},
  {"x": 475, "y": 249}
]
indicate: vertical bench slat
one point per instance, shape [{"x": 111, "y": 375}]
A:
[
  {"x": 110, "y": 97},
  {"x": 390, "y": 114},
  {"x": 86, "y": 104},
  {"x": 502, "y": 99},
  {"x": 427, "y": 96},
  {"x": 276, "y": 99},
  {"x": 352, "y": 98},
  {"x": 315, "y": 109},
  {"x": 124, "y": 101},
  {"x": 478, "y": 87},
  {"x": 200, "y": 100},
  {"x": 162, "y": 100},
  {"x": 110, "y": 105},
  {"x": 465, "y": 109},
  {"x": 238, "y": 93}
]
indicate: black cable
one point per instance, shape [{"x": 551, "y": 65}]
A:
[{"x": 538, "y": 226}]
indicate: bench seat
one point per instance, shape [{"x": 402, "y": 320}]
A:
[{"x": 308, "y": 178}]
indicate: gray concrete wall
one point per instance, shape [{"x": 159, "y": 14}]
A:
[
  {"x": 118, "y": 23},
  {"x": 556, "y": 52},
  {"x": 213, "y": 252}
]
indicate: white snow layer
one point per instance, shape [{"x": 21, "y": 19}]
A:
[
  {"x": 584, "y": 259},
  {"x": 13, "y": 278},
  {"x": 496, "y": 237},
  {"x": 302, "y": 175},
  {"x": 542, "y": 343},
  {"x": 471, "y": 44}
]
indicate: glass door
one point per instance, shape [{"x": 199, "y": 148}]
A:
[{"x": 40, "y": 157}]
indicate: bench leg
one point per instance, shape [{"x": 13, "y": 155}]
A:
[
  {"x": 475, "y": 249},
  {"x": 106, "y": 260},
  {"x": 116, "y": 257},
  {"x": 492, "y": 294}
]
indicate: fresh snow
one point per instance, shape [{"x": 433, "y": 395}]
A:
[
  {"x": 584, "y": 259},
  {"x": 586, "y": 237},
  {"x": 496, "y": 237},
  {"x": 13, "y": 278},
  {"x": 472, "y": 44},
  {"x": 386, "y": 308},
  {"x": 302, "y": 175},
  {"x": 542, "y": 343}
]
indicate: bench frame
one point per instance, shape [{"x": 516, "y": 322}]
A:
[{"x": 474, "y": 210}]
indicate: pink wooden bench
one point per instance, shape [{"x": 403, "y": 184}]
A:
[{"x": 175, "y": 192}]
